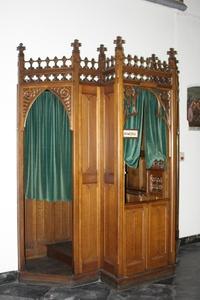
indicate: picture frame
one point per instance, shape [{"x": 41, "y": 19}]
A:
[{"x": 193, "y": 106}]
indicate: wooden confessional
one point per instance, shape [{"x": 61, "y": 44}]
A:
[{"x": 122, "y": 222}]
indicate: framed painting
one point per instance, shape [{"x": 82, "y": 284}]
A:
[{"x": 193, "y": 106}]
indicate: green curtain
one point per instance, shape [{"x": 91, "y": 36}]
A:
[
  {"x": 155, "y": 138},
  {"x": 48, "y": 150},
  {"x": 154, "y": 129},
  {"x": 132, "y": 146}
]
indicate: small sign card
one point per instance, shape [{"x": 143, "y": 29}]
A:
[{"x": 131, "y": 133}]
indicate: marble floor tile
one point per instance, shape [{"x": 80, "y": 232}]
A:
[
  {"x": 8, "y": 277},
  {"x": 18, "y": 290},
  {"x": 184, "y": 285},
  {"x": 97, "y": 290}
]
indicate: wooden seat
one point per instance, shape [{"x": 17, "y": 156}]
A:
[{"x": 61, "y": 251}]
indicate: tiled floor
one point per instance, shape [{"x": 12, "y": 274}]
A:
[{"x": 185, "y": 285}]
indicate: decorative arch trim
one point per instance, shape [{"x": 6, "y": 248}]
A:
[
  {"x": 162, "y": 97},
  {"x": 31, "y": 94}
]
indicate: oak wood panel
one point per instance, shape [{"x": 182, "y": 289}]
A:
[
  {"x": 136, "y": 178},
  {"x": 89, "y": 134},
  {"x": 89, "y": 200},
  {"x": 46, "y": 222},
  {"x": 90, "y": 230},
  {"x": 136, "y": 239},
  {"x": 30, "y": 219},
  {"x": 88, "y": 178},
  {"x": 63, "y": 221},
  {"x": 49, "y": 221},
  {"x": 110, "y": 226},
  {"x": 40, "y": 225},
  {"x": 109, "y": 189},
  {"x": 67, "y": 220},
  {"x": 109, "y": 135},
  {"x": 158, "y": 244}
]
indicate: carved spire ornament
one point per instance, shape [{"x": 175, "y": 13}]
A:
[
  {"x": 119, "y": 43},
  {"x": 102, "y": 61},
  {"x": 102, "y": 50},
  {"x": 76, "y": 45},
  {"x": 21, "y": 48}
]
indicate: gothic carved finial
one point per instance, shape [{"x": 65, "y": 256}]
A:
[
  {"x": 172, "y": 53},
  {"x": 101, "y": 50},
  {"x": 76, "y": 45},
  {"x": 119, "y": 43},
  {"x": 172, "y": 58},
  {"x": 102, "y": 62},
  {"x": 21, "y": 48}
]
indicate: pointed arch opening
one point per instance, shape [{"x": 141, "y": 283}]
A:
[
  {"x": 145, "y": 156},
  {"x": 48, "y": 150},
  {"x": 48, "y": 185}
]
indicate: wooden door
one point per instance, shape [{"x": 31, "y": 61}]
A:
[
  {"x": 135, "y": 239},
  {"x": 157, "y": 241},
  {"x": 89, "y": 205}
]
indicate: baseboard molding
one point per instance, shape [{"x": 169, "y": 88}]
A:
[
  {"x": 75, "y": 280},
  {"x": 70, "y": 280},
  {"x": 190, "y": 239},
  {"x": 148, "y": 277}
]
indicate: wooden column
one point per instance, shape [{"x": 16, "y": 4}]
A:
[
  {"x": 102, "y": 62},
  {"x": 174, "y": 165},
  {"x": 101, "y": 137},
  {"x": 76, "y": 154},
  {"x": 20, "y": 160},
  {"x": 118, "y": 158}
]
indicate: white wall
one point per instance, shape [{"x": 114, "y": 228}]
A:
[
  {"x": 47, "y": 28},
  {"x": 188, "y": 45}
]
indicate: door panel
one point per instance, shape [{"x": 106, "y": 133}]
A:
[
  {"x": 46, "y": 222},
  {"x": 135, "y": 239},
  {"x": 89, "y": 203},
  {"x": 157, "y": 255}
]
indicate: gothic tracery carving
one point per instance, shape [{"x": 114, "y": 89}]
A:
[
  {"x": 163, "y": 98},
  {"x": 64, "y": 93},
  {"x": 30, "y": 95}
]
